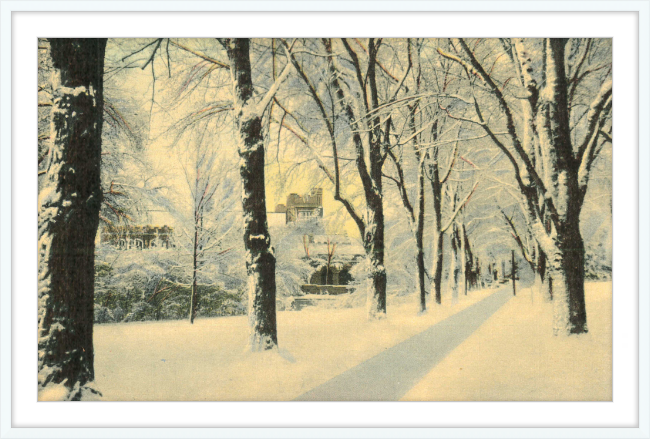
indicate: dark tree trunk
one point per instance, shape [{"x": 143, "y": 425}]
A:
[
  {"x": 542, "y": 276},
  {"x": 421, "y": 205},
  {"x": 419, "y": 240},
  {"x": 69, "y": 204},
  {"x": 374, "y": 246},
  {"x": 438, "y": 235},
  {"x": 195, "y": 296},
  {"x": 260, "y": 261},
  {"x": 455, "y": 265},
  {"x": 554, "y": 179},
  {"x": 566, "y": 257},
  {"x": 437, "y": 266},
  {"x": 567, "y": 271},
  {"x": 513, "y": 273},
  {"x": 372, "y": 229},
  {"x": 467, "y": 260},
  {"x": 462, "y": 253}
]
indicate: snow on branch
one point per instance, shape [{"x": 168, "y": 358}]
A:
[
  {"x": 459, "y": 208},
  {"x": 468, "y": 68},
  {"x": 594, "y": 121}
]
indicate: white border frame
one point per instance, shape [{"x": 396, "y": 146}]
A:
[{"x": 7, "y": 7}]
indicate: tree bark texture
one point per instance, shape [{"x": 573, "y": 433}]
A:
[
  {"x": 195, "y": 295},
  {"x": 566, "y": 255},
  {"x": 542, "y": 276},
  {"x": 69, "y": 204},
  {"x": 438, "y": 235},
  {"x": 370, "y": 173},
  {"x": 260, "y": 260},
  {"x": 374, "y": 247},
  {"x": 455, "y": 264},
  {"x": 555, "y": 173},
  {"x": 419, "y": 240},
  {"x": 465, "y": 258}
]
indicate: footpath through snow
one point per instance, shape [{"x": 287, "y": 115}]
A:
[
  {"x": 511, "y": 356},
  {"x": 515, "y": 357},
  {"x": 176, "y": 361},
  {"x": 390, "y": 374}
]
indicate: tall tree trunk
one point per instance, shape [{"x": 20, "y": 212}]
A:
[
  {"x": 567, "y": 253},
  {"x": 419, "y": 240},
  {"x": 567, "y": 264},
  {"x": 438, "y": 235},
  {"x": 513, "y": 273},
  {"x": 438, "y": 240},
  {"x": 371, "y": 230},
  {"x": 420, "y": 157},
  {"x": 374, "y": 246},
  {"x": 542, "y": 276},
  {"x": 455, "y": 265},
  {"x": 464, "y": 249},
  {"x": 260, "y": 261},
  {"x": 195, "y": 296},
  {"x": 69, "y": 204}
]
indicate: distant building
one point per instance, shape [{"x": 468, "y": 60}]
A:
[
  {"x": 148, "y": 234},
  {"x": 137, "y": 237},
  {"x": 302, "y": 207}
]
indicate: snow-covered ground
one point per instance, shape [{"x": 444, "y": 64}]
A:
[
  {"x": 173, "y": 360},
  {"x": 512, "y": 356},
  {"x": 515, "y": 357}
]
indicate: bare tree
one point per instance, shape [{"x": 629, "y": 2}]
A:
[
  {"x": 69, "y": 203},
  {"x": 552, "y": 154},
  {"x": 357, "y": 103},
  {"x": 260, "y": 260},
  {"x": 209, "y": 219}
]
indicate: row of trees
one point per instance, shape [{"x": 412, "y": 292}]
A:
[{"x": 481, "y": 121}]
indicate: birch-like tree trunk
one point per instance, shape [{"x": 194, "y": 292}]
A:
[
  {"x": 260, "y": 260},
  {"x": 69, "y": 204}
]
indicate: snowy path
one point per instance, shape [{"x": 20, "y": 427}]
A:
[{"x": 390, "y": 375}]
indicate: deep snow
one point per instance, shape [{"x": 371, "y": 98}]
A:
[
  {"x": 512, "y": 356},
  {"x": 515, "y": 357},
  {"x": 173, "y": 360}
]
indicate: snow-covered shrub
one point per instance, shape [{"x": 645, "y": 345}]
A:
[
  {"x": 103, "y": 314},
  {"x": 293, "y": 266},
  {"x": 359, "y": 274},
  {"x": 598, "y": 254},
  {"x": 118, "y": 314},
  {"x": 598, "y": 263},
  {"x": 216, "y": 302},
  {"x": 141, "y": 285}
]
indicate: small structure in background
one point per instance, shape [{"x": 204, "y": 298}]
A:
[
  {"x": 302, "y": 207},
  {"x": 142, "y": 233},
  {"x": 137, "y": 237},
  {"x": 329, "y": 257},
  {"x": 332, "y": 257}
]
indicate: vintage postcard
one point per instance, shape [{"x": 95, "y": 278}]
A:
[{"x": 325, "y": 219}]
